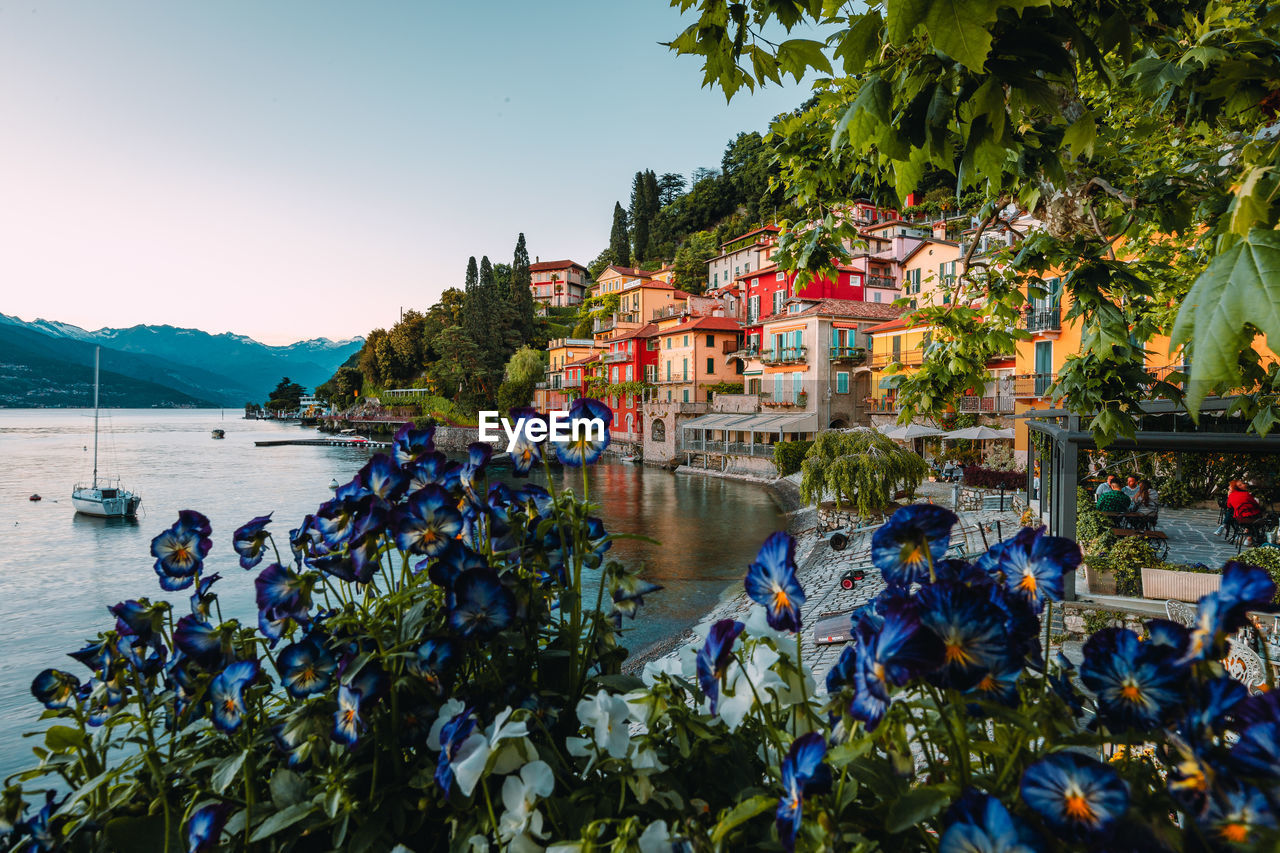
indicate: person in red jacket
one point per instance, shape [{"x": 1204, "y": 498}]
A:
[{"x": 1243, "y": 505}]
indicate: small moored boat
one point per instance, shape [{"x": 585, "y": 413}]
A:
[{"x": 219, "y": 433}]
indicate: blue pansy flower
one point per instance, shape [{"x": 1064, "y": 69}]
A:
[
  {"x": 627, "y": 600},
  {"x": 1033, "y": 564},
  {"x": 1167, "y": 633},
  {"x": 434, "y": 469},
  {"x": 370, "y": 681},
  {"x": 204, "y": 827},
  {"x": 452, "y": 560},
  {"x": 714, "y": 657},
  {"x": 434, "y": 660},
  {"x": 1074, "y": 793},
  {"x": 478, "y": 604},
  {"x": 893, "y": 647},
  {"x": 525, "y": 453},
  {"x": 1215, "y": 705},
  {"x": 452, "y": 736},
  {"x": 1061, "y": 684},
  {"x": 302, "y": 537},
  {"x": 281, "y": 588},
  {"x": 249, "y": 539},
  {"x": 1257, "y": 752},
  {"x": 980, "y": 823},
  {"x": 138, "y": 618},
  {"x": 55, "y": 689},
  {"x": 586, "y": 442},
  {"x": 335, "y": 520},
  {"x": 771, "y": 581},
  {"x": 803, "y": 773},
  {"x": 306, "y": 667},
  {"x": 841, "y": 673},
  {"x": 383, "y": 477},
  {"x": 409, "y": 444},
  {"x": 347, "y": 722},
  {"x": 1138, "y": 685},
  {"x": 199, "y": 641},
  {"x": 1237, "y": 814},
  {"x": 478, "y": 455},
  {"x": 37, "y": 828},
  {"x": 1224, "y": 611},
  {"x": 226, "y": 694},
  {"x": 180, "y": 550},
  {"x": 201, "y": 599},
  {"x": 911, "y": 542},
  {"x": 95, "y": 655},
  {"x": 971, "y": 628},
  {"x": 428, "y": 521}
]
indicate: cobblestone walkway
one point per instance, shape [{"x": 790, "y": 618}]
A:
[{"x": 1191, "y": 537}]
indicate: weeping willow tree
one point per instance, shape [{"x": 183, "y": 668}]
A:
[{"x": 859, "y": 467}]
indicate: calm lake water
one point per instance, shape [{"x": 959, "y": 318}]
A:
[{"x": 59, "y": 571}]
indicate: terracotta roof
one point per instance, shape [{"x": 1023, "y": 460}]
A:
[
  {"x": 588, "y": 360},
  {"x": 648, "y": 330},
  {"x": 543, "y": 266},
  {"x": 631, "y": 271},
  {"x": 892, "y": 325},
  {"x": 853, "y": 309},
  {"x": 924, "y": 241},
  {"x": 711, "y": 324},
  {"x": 772, "y": 229}
]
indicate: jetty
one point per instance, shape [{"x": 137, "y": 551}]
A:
[{"x": 337, "y": 441}]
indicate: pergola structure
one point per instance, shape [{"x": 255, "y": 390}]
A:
[{"x": 1053, "y": 462}]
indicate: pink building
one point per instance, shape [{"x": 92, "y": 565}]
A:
[{"x": 558, "y": 283}]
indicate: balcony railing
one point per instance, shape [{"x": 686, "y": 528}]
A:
[
  {"x": 729, "y": 448},
  {"x": 785, "y": 355},
  {"x": 673, "y": 380},
  {"x": 911, "y": 358},
  {"x": 852, "y": 355},
  {"x": 572, "y": 383},
  {"x": 987, "y": 404},
  {"x": 786, "y": 399},
  {"x": 1032, "y": 385},
  {"x": 881, "y": 281},
  {"x": 1043, "y": 320},
  {"x": 615, "y": 357},
  {"x": 667, "y": 311},
  {"x": 744, "y": 352},
  {"x": 883, "y": 405}
]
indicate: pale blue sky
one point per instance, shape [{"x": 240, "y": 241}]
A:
[{"x": 301, "y": 169}]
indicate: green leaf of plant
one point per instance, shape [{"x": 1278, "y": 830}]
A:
[
  {"x": 1241, "y": 286},
  {"x": 740, "y": 814},
  {"x": 958, "y": 28},
  {"x": 1080, "y": 136},
  {"x": 63, "y": 738},
  {"x": 287, "y": 788},
  {"x": 619, "y": 682},
  {"x": 903, "y": 16},
  {"x": 915, "y": 806},
  {"x": 866, "y": 115},
  {"x": 282, "y": 820},
  {"x": 859, "y": 43},
  {"x": 797, "y": 56},
  {"x": 226, "y": 772}
]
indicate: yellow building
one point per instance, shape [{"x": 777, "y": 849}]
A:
[{"x": 691, "y": 357}]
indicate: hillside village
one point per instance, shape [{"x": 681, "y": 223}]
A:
[{"x": 716, "y": 380}]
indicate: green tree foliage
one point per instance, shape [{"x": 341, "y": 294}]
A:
[
  {"x": 286, "y": 397},
  {"x": 644, "y": 207},
  {"x": 691, "y": 261},
  {"x": 670, "y": 187},
  {"x": 342, "y": 387},
  {"x": 1134, "y": 125},
  {"x": 860, "y": 467},
  {"x": 368, "y": 360},
  {"x": 521, "y": 292},
  {"x": 619, "y": 239},
  {"x": 453, "y": 373},
  {"x": 525, "y": 368}
]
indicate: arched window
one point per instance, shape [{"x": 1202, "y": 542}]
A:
[
  {"x": 659, "y": 430},
  {"x": 629, "y": 423}
]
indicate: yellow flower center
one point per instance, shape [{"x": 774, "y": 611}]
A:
[
  {"x": 1235, "y": 832},
  {"x": 1028, "y": 582},
  {"x": 1078, "y": 808},
  {"x": 780, "y": 598},
  {"x": 955, "y": 653},
  {"x": 1131, "y": 692}
]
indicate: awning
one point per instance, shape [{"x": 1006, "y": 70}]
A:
[{"x": 759, "y": 423}]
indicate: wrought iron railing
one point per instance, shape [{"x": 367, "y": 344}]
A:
[
  {"x": 1033, "y": 384},
  {"x": 785, "y": 355},
  {"x": 1043, "y": 320},
  {"x": 853, "y": 355}
]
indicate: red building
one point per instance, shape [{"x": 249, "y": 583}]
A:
[
  {"x": 768, "y": 289},
  {"x": 632, "y": 357}
]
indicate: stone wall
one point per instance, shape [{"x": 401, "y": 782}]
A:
[
  {"x": 750, "y": 466},
  {"x": 972, "y": 499},
  {"x": 455, "y": 439},
  {"x": 830, "y": 517}
]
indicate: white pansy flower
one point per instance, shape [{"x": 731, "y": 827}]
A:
[
  {"x": 478, "y": 844},
  {"x": 738, "y": 698},
  {"x": 448, "y": 711},
  {"x": 757, "y": 625},
  {"x": 655, "y": 838},
  {"x": 520, "y": 795},
  {"x": 608, "y": 717},
  {"x": 681, "y": 664},
  {"x": 473, "y": 756}
]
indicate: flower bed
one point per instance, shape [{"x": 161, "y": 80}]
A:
[{"x": 429, "y": 670}]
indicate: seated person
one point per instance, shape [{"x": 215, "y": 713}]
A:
[
  {"x": 1114, "y": 500},
  {"x": 1111, "y": 483},
  {"x": 1130, "y": 487},
  {"x": 1243, "y": 505},
  {"x": 1145, "y": 500}
]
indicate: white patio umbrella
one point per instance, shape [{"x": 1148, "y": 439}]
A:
[
  {"x": 913, "y": 431},
  {"x": 978, "y": 433}
]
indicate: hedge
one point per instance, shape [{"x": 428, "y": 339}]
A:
[{"x": 989, "y": 478}]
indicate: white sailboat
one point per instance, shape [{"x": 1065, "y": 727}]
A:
[{"x": 102, "y": 500}]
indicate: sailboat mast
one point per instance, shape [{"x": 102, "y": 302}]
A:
[{"x": 97, "y": 356}]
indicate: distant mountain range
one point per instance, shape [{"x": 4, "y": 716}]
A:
[{"x": 47, "y": 363}]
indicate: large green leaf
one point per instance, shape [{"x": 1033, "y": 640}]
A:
[
  {"x": 915, "y": 806},
  {"x": 282, "y": 820},
  {"x": 958, "y": 28},
  {"x": 1241, "y": 286},
  {"x": 742, "y": 813}
]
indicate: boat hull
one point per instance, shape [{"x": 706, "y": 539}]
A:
[{"x": 91, "y": 502}]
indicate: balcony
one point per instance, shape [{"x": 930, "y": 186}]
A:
[
  {"x": 674, "y": 380},
  {"x": 786, "y": 400},
  {"x": 986, "y": 404},
  {"x": 668, "y": 311},
  {"x": 1043, "y": 320},
  {"x": 785, "y": 355},
  {"x": 913, "y": 358},
  {"x": 1032, "y": 385},
  {"x": 883, "y": 406},
  {"x": 729, "y": 448},
  {"x": 881, "y": 281},
  {"x": 849, "y": 355},
  {"x": 572, "y": 383},
  {"x": 744, "y": 353},
  {"x": 615, "y": 357}
]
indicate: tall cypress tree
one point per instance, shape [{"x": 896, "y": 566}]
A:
[
  {"x": 521, "y": 294},
  {"x": 619, "y": 240},
  {"x": 653, "y": 203},
  {"x": 473, "y": 314},
  {"x": 640, "y": 218}
]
